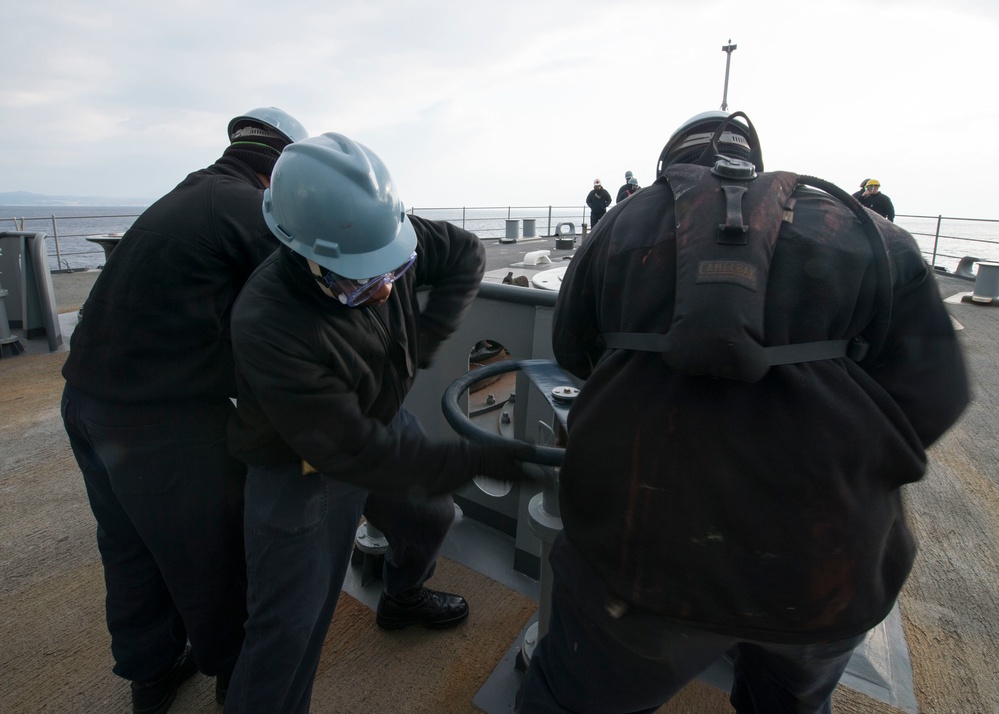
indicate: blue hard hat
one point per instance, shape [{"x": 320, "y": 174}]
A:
[
  {"x": 271, "y": 117},
  {"x": 333, "y": 201}
]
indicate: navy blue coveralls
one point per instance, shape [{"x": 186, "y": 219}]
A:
[{"x": 148, "y": 384}]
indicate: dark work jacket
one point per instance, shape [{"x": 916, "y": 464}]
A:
[
  {"x": 880, "y": 204},
  {"x": 156, "y": 324},
  {"x": 319, "y": 381},
  {"x": 771, "y": 509},
  {"x": 625, "y": 191},
  {"x": 598, "y": 199}
]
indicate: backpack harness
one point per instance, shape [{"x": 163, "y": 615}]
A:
[{"x": 717, "y": 327}]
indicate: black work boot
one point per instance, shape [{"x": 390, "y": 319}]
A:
[
  {"x": 422, "y": 606},
  {"x": 156, "y": 696}
]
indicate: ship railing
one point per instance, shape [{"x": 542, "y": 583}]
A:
[
  {"x": 946, "y": 240},
  {"x": 943, "y": 240},
  {"x": 492, "y": 221},
  {"x": 79, "y": 247},
  {"x": 75, "y": 257}
]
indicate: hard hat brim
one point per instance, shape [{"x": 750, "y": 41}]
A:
[{"x": 360, "y": 266}]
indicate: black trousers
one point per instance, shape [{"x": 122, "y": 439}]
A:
[
  {"x": 168, "y": 499},
  {"x": 592, "y": 663}
]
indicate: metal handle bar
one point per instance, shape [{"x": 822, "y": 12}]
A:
[{"x": 541, "y": 373}]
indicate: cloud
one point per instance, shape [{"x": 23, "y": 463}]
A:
[{"x": 520, "y": 103}]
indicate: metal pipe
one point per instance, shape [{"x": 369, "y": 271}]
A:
[
  {"x": 728, "y": 50},
  {"x": 936, "y": 239},
  {"x": 55, "y": 236}
]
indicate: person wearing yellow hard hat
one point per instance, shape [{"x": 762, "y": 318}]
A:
[{"x": 878, "y": 202}]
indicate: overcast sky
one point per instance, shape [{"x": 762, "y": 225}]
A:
[{"x": 505, "y": 103}]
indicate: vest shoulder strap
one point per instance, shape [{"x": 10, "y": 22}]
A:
[{"x": 855, "y": 349}]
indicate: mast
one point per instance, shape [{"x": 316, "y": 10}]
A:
[{"x": 728, "y": 50}]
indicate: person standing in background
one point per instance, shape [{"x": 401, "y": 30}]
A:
[
  {"x": 877, "y": 201},
  {"x": 598, "y": 200},
  {"x": 625, "y": 190}
]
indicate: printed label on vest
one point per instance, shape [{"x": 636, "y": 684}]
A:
[{"x": 727, "y": 271}]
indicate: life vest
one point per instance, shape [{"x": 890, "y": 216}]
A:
[{"x": 728, "y": 219}]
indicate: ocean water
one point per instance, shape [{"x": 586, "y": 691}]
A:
[
  {"x": 69, "y": 227},
  {"x": 943, "y": 241}
]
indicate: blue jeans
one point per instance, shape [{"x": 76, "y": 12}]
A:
[
  {"x": 415, "y": 531},
  {"x": 168, "y": 499},
  {"x": 299, "y": 537},
  {"x": 591, "y": 662}
]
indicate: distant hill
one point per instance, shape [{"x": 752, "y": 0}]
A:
[{"x": 25, "y": 198}]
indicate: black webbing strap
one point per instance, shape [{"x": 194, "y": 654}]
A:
[
  {"x": 639, "y": 341},
  {"x": 855, "y": 349}
]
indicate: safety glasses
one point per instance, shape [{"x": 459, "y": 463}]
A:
[{"x": 353, "y": 292}]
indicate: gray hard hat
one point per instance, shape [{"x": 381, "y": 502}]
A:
[
  {"x": 333, "y": 201},
  {"x": 270, "y": 117}
]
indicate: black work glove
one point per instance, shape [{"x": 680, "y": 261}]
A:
[
  {"x": 498, "y": 462},
  {"x": 495, "y": 461}
]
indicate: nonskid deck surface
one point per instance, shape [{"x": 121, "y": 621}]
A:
[{"x": 56, "y": 655}]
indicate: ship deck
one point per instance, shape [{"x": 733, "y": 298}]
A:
[{"x": 56, "y": 655}]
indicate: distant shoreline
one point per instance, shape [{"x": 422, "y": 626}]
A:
[{"x": 25, "y": 199}]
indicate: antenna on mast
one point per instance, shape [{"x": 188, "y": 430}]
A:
[{"x": 728, "y": 50}]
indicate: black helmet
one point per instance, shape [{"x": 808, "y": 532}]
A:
[{"x": 702, "y": 137}]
